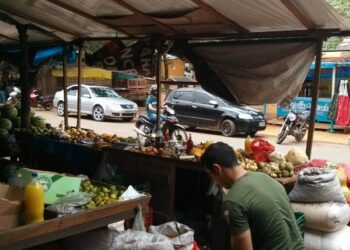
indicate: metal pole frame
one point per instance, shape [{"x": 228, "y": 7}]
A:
[
  {"x": 79, "y": 86},
  {"x": 158, "y": 80},
  {"x": 65, "y": 97},
  {"x": 315, "y": 94},
  {"x": 24, "y": 73}
]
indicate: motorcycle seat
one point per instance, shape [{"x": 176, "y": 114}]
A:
[
  {"x": 42, "y": 98},
  {"x": 147, "y": 119}
]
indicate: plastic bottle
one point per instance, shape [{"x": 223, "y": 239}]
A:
[
  {"x": 189, "y": 144},
  {"x": 247, "y": 142},
  {"x": 34, "y": 201}
]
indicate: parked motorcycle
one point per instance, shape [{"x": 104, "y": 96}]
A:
[
  {"x": 39, "y": 101},
  {"x": 295, "y": 124},
  {"x": 169, "y": 128},
  {"x": 14, "y": 96}
]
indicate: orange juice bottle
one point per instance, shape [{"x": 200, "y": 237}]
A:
[
  {"x": 247, "y": 142},
  {"x": 34, "y": 201}
]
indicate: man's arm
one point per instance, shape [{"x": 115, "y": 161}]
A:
[{"x": 242, "y": 241}]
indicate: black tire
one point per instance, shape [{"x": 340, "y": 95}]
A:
[
  {"x": 98, "y": 113},
  {"x": 282, "y": 135},
  {"x": 178, "y": 135},
  {"x": 48, "y": 106},
  {"x": 127, "y": 119},
  {"x": 60, "y": 109},
  {"x": 228, "y": 128}
]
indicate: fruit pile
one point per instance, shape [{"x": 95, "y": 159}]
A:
[{"x": 103, "y": 195}]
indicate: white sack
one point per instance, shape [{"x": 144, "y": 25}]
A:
[
  {"x": 180, "y": 234},
  {"x": 328, "y": 217},
  {"x": 317, "y": 240},
  {"x": 137, "y": 240}
]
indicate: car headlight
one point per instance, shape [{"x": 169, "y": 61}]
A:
[{"x": 245, "y": 116}]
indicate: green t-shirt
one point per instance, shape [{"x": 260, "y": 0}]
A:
[{"x": 259, "y": 203}]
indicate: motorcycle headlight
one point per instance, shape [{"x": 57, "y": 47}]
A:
[
  {"x": 245, "y": 116},
  {"x": 292, "y": 117}
]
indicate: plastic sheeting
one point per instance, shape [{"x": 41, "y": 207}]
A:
[{"x": 255, "y": 73}]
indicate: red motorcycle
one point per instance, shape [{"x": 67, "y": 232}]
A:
[{"x": 39, "y": 101}]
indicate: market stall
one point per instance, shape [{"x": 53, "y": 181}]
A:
[
  {"x": 58, "y": 228},
  {"x": 297, "y": 28}
]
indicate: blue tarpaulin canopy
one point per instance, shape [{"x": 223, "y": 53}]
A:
[{"x": 38, "y": 55}]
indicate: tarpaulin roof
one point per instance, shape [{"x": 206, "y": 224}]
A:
[{"x": 67, "y": 20}]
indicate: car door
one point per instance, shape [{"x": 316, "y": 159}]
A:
[
  {"x": 72, "y": 93},
  {"x": 182, "y": 103},
  {"x": 86, "y": 101},
  {"x": 207, "y": 113}
]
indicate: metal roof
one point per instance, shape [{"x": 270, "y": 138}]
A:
[{"x": 67, "y": 20}]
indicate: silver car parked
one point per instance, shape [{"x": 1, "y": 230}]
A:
[{"x": 98, "y": 101}]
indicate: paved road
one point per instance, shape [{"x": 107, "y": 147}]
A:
[{"x": 337, "y": 152}]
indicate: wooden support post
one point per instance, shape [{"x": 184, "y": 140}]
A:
[
  {"x": 79, "y": 86},
  {"x": 315, "y": 93},
  {"x": 24, "y": 74},
  {"x": 65, "y": 97}
]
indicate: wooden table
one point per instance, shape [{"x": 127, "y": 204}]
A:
[{"x": 53, "y": 229}]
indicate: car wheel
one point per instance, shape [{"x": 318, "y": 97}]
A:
[
  {"x": 98, "y": 113},
  {"x": 228, "y": 128},
  {"x": 60, "y": 109},
  {"x": 128, "y": 119}
]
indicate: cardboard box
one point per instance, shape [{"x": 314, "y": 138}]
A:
[
  {"x": 55, "y": 185},
  {"x": 11, "y": 206}
]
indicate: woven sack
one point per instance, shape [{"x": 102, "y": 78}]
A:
[
  {"x": 317, "y": 185},
  {"x": 327, "y": 217},
  {"x": 318, "y": 240}
]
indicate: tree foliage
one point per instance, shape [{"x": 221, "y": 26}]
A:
[{"x": 343, "y": 7}]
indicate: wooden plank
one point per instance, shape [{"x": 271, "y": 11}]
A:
[
  {"x": 304, "y": 19},
  {"x": 35, "y": 234}
]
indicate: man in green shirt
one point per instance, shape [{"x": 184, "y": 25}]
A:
[{"x": 256, "y": 206}]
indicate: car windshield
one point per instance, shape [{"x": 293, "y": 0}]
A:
[{"x": 104, "y": 92}]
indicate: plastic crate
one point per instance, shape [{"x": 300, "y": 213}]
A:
[{"x": 300, "y": 218}]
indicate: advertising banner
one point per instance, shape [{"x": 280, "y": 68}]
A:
[{"x": 303, "y": 103}]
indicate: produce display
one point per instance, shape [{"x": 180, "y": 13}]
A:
[{"x": 103, "y": 195}]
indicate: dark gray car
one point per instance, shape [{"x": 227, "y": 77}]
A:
[{"x": 195, "y": 107}]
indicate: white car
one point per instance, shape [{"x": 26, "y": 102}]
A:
[{"x": 98, "y": 101}]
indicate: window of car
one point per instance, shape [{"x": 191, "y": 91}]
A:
[
  {"x": 203, "y": 98},
  {"x": 104, "y": 92},
  {"x": 84, "y": 91},
  {"x": 72, "y": 91},
  {"x": 184, "y": 96}
]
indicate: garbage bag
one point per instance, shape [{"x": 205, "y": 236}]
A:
[
  {"x": 138, "y": 240},
  {"x": 317, "y": 185},
  {"x": 180, "y": 234}
]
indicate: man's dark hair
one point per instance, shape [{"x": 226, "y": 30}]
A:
[{"x": 219, "y": 153}]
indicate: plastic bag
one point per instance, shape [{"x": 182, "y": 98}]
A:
[
  {"x": 137, "y": 240},
  {"x": 180, "y": 234},
  {"x": 316, "y": 240},
  {"x": 261, "y": 148},
  {"x": 138, "y": 222},
  {"x": 317, "y": 185},
  {"x": 68, "y": 203}
]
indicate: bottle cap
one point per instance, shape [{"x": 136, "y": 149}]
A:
[{"x": 34, "y": 174}]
